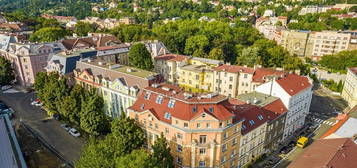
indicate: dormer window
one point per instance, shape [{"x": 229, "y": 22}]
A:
[
  {"x": 147, "y": 95},
  {"x": 243, "y": 127},
  {"x": 159, "y": 99},
  {"x": 194, "y": 109},
  {"x": 260, "y": 117},
  {"x": 251, "y": 122},
  {"x": 167, "y": 115},
  {"x": 171, "y": 103},
  {"x": 211, "y": 109}
]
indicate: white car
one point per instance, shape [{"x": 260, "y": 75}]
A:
[
  {"x": 74, "y": 132},
  {"x": 66, "y": 127},
  {"x": 39, "y": 104}
]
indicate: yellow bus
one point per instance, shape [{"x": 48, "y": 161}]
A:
[{"x": 302, "y": 142}]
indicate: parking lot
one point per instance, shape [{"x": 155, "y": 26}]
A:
[{"x": 49, "y": 129}]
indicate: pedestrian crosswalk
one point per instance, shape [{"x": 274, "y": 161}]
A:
[{"x": 320, "y": 121}]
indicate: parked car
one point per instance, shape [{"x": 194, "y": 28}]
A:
[
  {"x": 74, "y": 132},
  {"x": 56, "y": 116},
  {"x": 7, "y": 87},
  {"x": 35, "y": 102},
  {"x": 66, "y": 127},
  {"x": 39, "y": 104}
]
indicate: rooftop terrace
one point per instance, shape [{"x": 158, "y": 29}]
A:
[
  {"x": 121, "y": 68},
  {"x": 257, "y": 98}
]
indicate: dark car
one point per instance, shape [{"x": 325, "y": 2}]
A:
[{"x": 56, "y": 116}]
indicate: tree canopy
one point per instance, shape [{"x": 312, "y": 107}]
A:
[
  {"x": 6, "y": 72},
  {"x": 340, "y": 61},
  {"x": 48, "y": 34},
  {"x": 140, "y": 57}
]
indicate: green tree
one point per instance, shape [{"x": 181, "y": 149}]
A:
[
  {"x": 97, "y": 154},
  {"x": 92, "y": 117},
  {"x": 6, "y": 72},
  {"x": 40, "y": 82},
  {"x": 83, "y": 28},
  {"x": 137, "y": 158},
  {"x": 216, "y": 53},
  {"x": 48, "y": 34},
  {"x": 161, "y": 153},
  {"x": 128, "y": 134},
  {"x": 194, "y": 43},
  {"x": 140, "y": 57},
  {"x": 249, "y": 56}
]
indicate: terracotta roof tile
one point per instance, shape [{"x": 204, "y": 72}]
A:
[
  {"x": 335, "y": 153},
  {"x": 171, "y": 57},
  {"x": 261, "y": 73},
  {"x": 293, "y": 83}
]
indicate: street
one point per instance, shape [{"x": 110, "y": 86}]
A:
[
  {"x": 68, "y": 146},
  {"x": 323, "y": 110}
]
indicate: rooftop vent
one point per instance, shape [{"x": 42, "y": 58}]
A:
[
  {"x": 101, "y": 63},
  {"x": 114, "y": 66},
  {"x": 255, "y": 100},
  {"x": 174, "y": 92},
  {"x": 248, "y": 102},
  {"x": 155, "y": 85},
  {"x": 187, "y": 95},
  {"x": 165, "y": 88}
]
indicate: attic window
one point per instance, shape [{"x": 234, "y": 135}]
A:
[
  {"x": 171, "y": 103},
  {"x": 203, "y": 115},
  {"x": 211, "y": 109},
  {"x": 194, "y": 109},
  {"x": 159, "y": 99},
  {"x": 167, "y": 115},
  {"x": 147, "y": 95},
  {"x": 260, "y": 117},
  {"x": 251, "y": 122}
]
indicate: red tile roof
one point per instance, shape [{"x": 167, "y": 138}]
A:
[
  {"x": 334, "y": 153},
  {"x": 277, "y": 107},
  {"x": 183, "y": 108},
  {"x": 261, "y": 73},
  {"x": 171, "y": 57},
  {"x": 234, "y": 69},
  {"x": 293, "y": 83},
  {"x": 353, "y": 70}
]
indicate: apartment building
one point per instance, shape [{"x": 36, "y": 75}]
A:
[
  {"x": 29, "y": 58},
  {"x": 317, "y": 44},
  {"x": 349, "y": 92},
  {"x": 275, "y": 113},
  {"x": 232, "y": 80},
  {"x": 201, "y": 129},
  {"x": 205, "y": 75},
  {"x": 328, "y": 42},
  {"x": 119, "y": 85},
  {"x": 295, "y": 41},
  {"x": 270, "y": 26},
  {"x": 295, "y": 92}
]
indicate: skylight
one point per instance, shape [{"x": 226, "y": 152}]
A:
[
  {"x": 211, "y": 109},
  {"x": 251, "y": 122},
  {"x": 260, "y": 117},
  {"x": 243, "y": 126}
]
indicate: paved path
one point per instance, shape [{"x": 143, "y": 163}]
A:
[{"x": 65, "y": 144}]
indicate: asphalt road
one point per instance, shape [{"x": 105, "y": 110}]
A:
[{"x": 69, "y": 147}]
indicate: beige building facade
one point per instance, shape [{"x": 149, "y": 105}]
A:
[{"x": 349, "y": 92}]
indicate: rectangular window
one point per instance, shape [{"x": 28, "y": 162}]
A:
[
  {"x": 211, "y": 109},
  {"x": 198, "y": 125},
  {"x": 225, "y": 135},
  {"x": 230, "y": 86},
  {"x": 179, "y": 136},
  {"x": 223, "y": 159},
  {"x": 202, "y": 151},
  {"x": 166, "y": 130},
  {"x": 159, "y": 99},
  {"x": 245, "y": 75},
  {"x": 208, "y": 125},
  {"x": 231, "y": 78},
  {"x": 203, "y": 139},
  {"x": 234, "y": 141},
  {"x": 224, "y": 147},
  {"x": 197, "y": 77},
  {"x": 179, "y": 161},
  {"x": 185, "y": 125},
  {"x": 171, "y": 103},
  {"x": 179, "y": 148}
]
